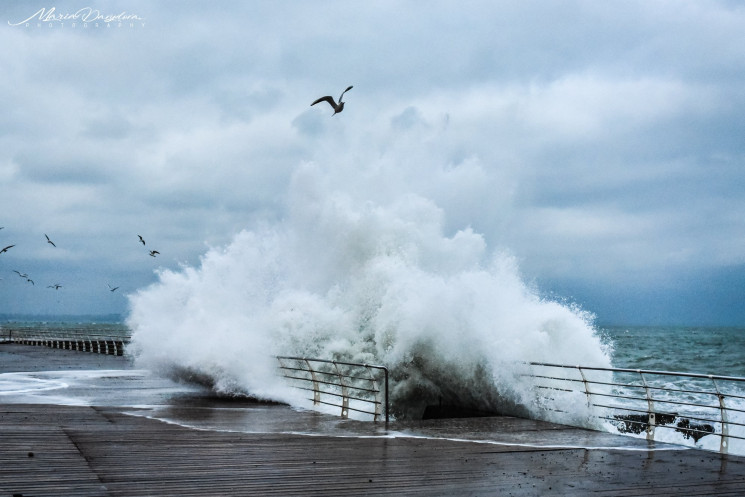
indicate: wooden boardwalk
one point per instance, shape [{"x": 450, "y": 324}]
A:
[{"x": 87, "y": 451}]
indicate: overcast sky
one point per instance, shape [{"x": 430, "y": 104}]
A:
[{"x": 600, "y": 143}]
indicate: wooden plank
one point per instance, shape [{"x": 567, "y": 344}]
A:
[{"x": 99, "y": 451}]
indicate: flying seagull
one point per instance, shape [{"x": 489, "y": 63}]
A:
[
  {"x": 153, "y": 252},
  {"x": 22, "y": 275},
  {"x": 112, "y": 288},
  {"x": 6, "y": 248},
  {"x": 31, "y": 281},
  {"x": 50, "y": 241},
  {"x": 56, "y": 286},
  {"x": 337, "y": 107},
  {"x": 141, "y": 239}
]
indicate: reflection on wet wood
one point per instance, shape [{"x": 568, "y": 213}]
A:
[{"x": 83, "y": 451}]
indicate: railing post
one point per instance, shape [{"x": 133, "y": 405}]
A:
[
  {"x": 344, "y": 393},
  {"x": 316, "y": 388},
  {"x": 723, "y": 416},
  {"x": 386, "y": 395},
  {"x": 587, "y": 386},
  {"x": 650, "y": 408},
  {"x": 378, "y": 400}
]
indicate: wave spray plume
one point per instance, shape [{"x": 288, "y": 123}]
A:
[{"x": 345, "y": 278}]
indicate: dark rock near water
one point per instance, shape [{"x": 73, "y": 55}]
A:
[
  {"x": 638, "y": 423},
  {"x": 696, "y": 431}
]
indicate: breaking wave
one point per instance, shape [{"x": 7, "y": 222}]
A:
[{"x": 378, "y": 282}]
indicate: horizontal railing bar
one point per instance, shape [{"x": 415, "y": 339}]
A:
[
  {"x": 331, "y": 362},
  {"x": 661, "y": 388},
  {"x": 556, "y": 388},
  {"x": 342, "y": 407},
  {"x": 656, "y": 399},
  {"x": 604, "y": 395},
  {"x": 322, "y": 382},
  {"x": 669, "y": 426},
  {"x": 636, "y": 386},
  {"x": 644, "y": 371},
  {"x": 344, "y": 375},
  {"x": 692, "y": 404},
  {"x": 333, "y": 394},
  {"x": 333, "y": 374},
  {"x": 677, "y": 415}
]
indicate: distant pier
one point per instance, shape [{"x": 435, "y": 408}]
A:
[{"x": 81, "y": 340}]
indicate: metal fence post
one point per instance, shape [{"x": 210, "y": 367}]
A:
[
  {"x": 650, "y": 408},
  {"x": 316, "y": 388},
  {"x": 587, "y": 386},
  {"x": 723, "y": 416},
  {"x": 344, "y": 393}
]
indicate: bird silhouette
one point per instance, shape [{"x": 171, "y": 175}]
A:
[
  {"x": 153, "y": 252},
  {"x": 6, "y": 248},
  {"x": 56, "y": 286},
  {"x": 22, "y": 275},
  {"x": 338, "y": 107},
  {"x": 141, "y": 239},
  {"x": 31, "y": 281},
  {"x": 50, "y": 241},
  {"x": 112, "y": 289}
]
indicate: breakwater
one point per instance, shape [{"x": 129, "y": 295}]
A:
[{"x": 82, "y": 339}]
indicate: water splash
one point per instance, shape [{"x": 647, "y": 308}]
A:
[{"x": 349, "y": 278}]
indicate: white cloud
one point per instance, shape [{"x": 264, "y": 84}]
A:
[{"x": 585, "y": 138}]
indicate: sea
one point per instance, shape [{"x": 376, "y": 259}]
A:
[{"x": 708, "y": 350}]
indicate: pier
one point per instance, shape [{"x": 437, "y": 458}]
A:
[
  {"x": 88, "y": 451},
  {"x": 209, "y": 447}
]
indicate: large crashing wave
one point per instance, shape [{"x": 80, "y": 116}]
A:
[{"x": 343, "y": 277}]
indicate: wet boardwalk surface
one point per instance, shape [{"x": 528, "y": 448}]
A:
[{"x": 212, "y": 448}]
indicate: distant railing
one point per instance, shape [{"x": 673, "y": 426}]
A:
[
  {"x": 637, "y": 401},
  {"x": 82, "y": 339},
  {"x": 362, "y": 388}
]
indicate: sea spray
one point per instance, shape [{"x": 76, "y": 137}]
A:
[{"x": 344, "y": 277}]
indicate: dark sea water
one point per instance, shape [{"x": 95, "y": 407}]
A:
[
  {"x": 685, "y": 349},
  {"x": 709, "y": 350}
]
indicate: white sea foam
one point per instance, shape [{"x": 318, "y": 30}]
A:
[
  {"x": 27, "y": 383},
  {"x": 374, "y": 281}
]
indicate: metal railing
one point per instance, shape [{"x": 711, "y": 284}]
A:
[
  {"x": 637, "y": 401},
  {"x": 362, "y": 388},
  {"x": 82, "y": 339}
]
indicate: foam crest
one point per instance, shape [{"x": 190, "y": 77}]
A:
[{"x": 370, "y": 281}]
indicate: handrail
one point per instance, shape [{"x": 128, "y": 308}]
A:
[
  {"x": 337, "y": 383},
  {"x": 645, "y": 401},
  {"x": 80, "y": 339}
]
